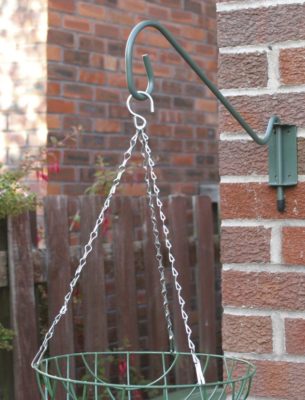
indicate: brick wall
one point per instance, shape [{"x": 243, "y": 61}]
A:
[
  {"x": 87, "y": 90},
  {"x": 22, "y": 77},
  {"x": 261, "y": 70}
]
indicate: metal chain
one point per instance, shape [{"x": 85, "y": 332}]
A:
[
  {"x": 87, "y": 250},
  {"x": 157, "y": 244},
  {"x": 175, "y": 274}
]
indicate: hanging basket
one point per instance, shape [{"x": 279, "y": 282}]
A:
[
  {"x": 114, "y": 375},
  {"x": 118, "y": 375}
]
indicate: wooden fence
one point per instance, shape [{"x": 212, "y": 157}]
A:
[{"x": 117, "y": 302}]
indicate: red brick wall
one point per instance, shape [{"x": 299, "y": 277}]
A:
[
  {"x": 87, "y": 88},
  {"x": 261, "y": 69}
]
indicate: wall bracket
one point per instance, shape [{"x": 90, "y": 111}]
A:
[
  {"x": 283, "y": 160},
  {"x": 281, "y": 138}
]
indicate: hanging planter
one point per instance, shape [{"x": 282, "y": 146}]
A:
[{"x": 114, "y": 375}]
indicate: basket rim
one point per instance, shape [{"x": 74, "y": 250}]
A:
[{"x": 248, "y": 375}]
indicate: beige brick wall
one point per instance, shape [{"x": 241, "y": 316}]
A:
[{"x": 22, "y": 77}]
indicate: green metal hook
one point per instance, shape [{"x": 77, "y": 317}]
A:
[{"x": 273, "y": 121}]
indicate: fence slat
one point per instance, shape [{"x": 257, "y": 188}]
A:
[
  {"x": 203, "y": 221},
  {"x": 59, "y": 271},
  {"x": 124, "y": 267},
  {"x": 93, "y": 280},
  {"x": 22, "y": 306},
  {"x": 179, "y": 234}
]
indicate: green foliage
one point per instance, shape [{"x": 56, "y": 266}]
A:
[
  {"x": 15, "y": 197},
  {"x": 6, "y": 338},
  {"x": 103, "y": 178}
]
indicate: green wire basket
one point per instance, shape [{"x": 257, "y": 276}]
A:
[{"x": 113, "y": 375}]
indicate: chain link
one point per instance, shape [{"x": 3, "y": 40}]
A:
[
  {"x": 175, "y": 274},
  {"x": 87, "y": 250},
  {"x": 157, "y": 244}
]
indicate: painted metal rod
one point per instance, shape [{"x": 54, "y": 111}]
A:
[{"x": 150, "y": 76}]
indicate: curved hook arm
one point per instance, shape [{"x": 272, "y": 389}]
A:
[{"x": 139, "y": 96}]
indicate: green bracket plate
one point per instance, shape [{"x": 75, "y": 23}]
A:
[{"x": 283, "y": 156}]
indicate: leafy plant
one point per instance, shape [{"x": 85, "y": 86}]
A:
[
  {"x": 6, "y": 338},
  {"x": 15, "y": 196},
  {"x": 103, "y": 178}
]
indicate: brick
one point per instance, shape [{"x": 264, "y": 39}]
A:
[
  {"x": 76, "y": 24},
  {"x": 194, "y": 146},
  {"x": 158, "y": 12},
  {"x": 279, "y": 380},
  {"x": 61, "y": 38},
  {"x": 160, "y": 130},
  {"x": 261, "y": 25},
  {"x": 88, "y": 141},
  {"x": 93, "y": 77},
  {"x": 185, "y": 103},
  {"x": 194, "y": 6},
  {"x": 242, "y": 158},
  {"x": 194, "y": 33},
  {"x": 60, "y": 106},
  {"x": 137, "y": 6},
  {"x": 70, "y": 122},
  {"x": 53, "y": 122},
  {"x": 65, "y": 174},
  {"x": 279, "y": 291},
  {"x": 182, "y": 17},
  {"x": 116, "y": 49},
  {"x": 247, "y": 158},
  {"x": 243, "y": 70},
  {"x": 110, "y": 63},
  {"x": 182, "y": 160},
  {"x": 107, "y": 30},
  {"x": 292, "y": 66},
  {"x": 61, "y": 72},
  {"x": 257, "y": 110},
  {"x": 245, "y": 245},
  {"x": 247, "y": 334},
  {"x": 249, "y": 200},
  {"x": 293, "y": 245},
  {"x": 54, "y": 53},
  {"x": 107, "y": 95},
  {"x": 76, "y": 91},
  {"x": 53, "y": 188},
  {"x": 119, "y": 112},
  {"x": 92, "y": 11},
  {"x": 295, "y": 339},
  {"x": 54, "y": 19},
  {"x": 102, "y": 125},
  {"x": 206, "y": 105},
  {"x": 170, "y": 145},
  {"x": 92, "y": 109},
  {"x": 76, "y": 157},
  {"x": 66, "y": 6},
  {"x": 76, "y": 57},
  {"x": 91, "y": 44},
  {"x": 119, "y": 18}
]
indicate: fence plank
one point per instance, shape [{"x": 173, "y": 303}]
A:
[
  {"x": 203, "y": 221},
  {"x": 93, "y": 279},
  {"x": 59, "y": 271},
  {"x": 179, "y": 234},
  {"x": 22, "y": 306},
  {"x": 124, "y": 267}
]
